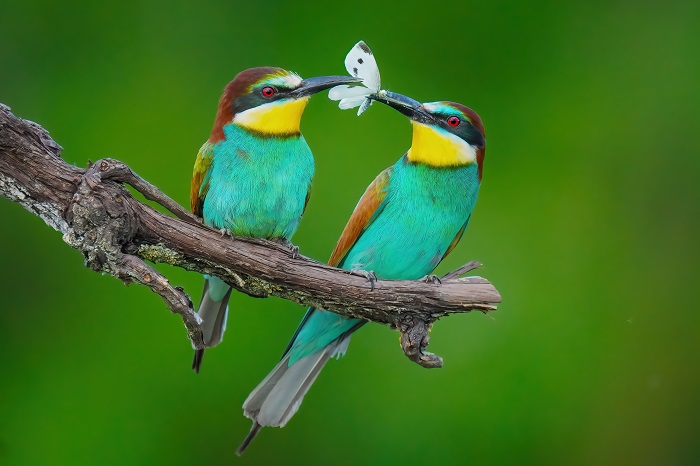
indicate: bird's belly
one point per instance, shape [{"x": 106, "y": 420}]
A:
[
  {"x": 405, "y": 246},
  {"x": 255, "y": 206},
  {"x": 400, "y": 260}
]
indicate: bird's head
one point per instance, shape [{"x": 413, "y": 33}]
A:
[
  {"x": 445, "y": 134},
  {"x": 269, "y": 101}
]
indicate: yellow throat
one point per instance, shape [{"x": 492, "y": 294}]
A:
[
  {"x": 280, "y": 118},
  {"x": 439, "y": 148}
]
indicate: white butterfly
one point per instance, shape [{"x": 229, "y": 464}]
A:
[{"x": 360, "y": 63}]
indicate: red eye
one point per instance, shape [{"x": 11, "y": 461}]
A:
[
  {"x": 268, "y": 91},
  {"x": 453, "y": 121}
]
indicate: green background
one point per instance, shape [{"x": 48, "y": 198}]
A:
[{"x": 587, "y": 222}]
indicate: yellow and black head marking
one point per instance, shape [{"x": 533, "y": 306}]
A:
[
  {"x": 269, "y": 101},
  {"x": 445, "y": 134}
]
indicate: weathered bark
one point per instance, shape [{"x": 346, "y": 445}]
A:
[{"x": 116, "y": 234}]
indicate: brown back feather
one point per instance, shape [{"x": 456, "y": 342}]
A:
[{"x": 369, "y": 202}]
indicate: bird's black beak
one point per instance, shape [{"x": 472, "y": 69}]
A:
[
  {"x": 406, "y": 105},
  {"x": 321, "y": 83}
]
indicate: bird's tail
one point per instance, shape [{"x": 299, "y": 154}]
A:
[
  {"x": 275, "y": 400},
  {"x": 213, "y": 311}
]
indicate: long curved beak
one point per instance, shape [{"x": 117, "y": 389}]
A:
[
  {"x": 321, "y": 83},
  {"x": 404, "y": 104}
]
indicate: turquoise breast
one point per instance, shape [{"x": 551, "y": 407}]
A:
[
  {"x": 424, "y": 210},
  {"x": 258, "y": 185}
]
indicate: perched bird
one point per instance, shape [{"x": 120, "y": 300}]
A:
[
  {"x": 253, "y": 176},
  {"x": 411, "y": 216}
]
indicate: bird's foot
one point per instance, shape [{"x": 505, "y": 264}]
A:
[
  {"x": 434, "y": 279},
  {"x": 369, "y": 275},
  {"x": 225, "y": 232},
  {"x": 289, "y": 245}
]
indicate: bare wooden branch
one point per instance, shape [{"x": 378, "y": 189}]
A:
[{"x": 116, "y": 233}]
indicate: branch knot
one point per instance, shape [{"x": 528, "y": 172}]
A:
[{"x": 414, "y": 340}]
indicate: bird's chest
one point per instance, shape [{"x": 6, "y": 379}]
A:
[
  {"x": 259, "y": 188},
  {"x": 424, "y": 212}
]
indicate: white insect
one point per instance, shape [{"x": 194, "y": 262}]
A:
[{"x": 360, "y": 63}]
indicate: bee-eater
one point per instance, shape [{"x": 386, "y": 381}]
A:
[
  {"x": 409, "y": 218},
  {"x": 253, "y": 175}
]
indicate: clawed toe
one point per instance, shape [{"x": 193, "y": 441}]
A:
[
  {"x": 288, "y": 244},
  {"x": 294, "y": 250},
  {"x": 370, "y": 276},
  {"x": 432, "y": 279}
]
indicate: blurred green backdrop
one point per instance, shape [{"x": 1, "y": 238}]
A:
[{"x": 588, "y": 222}]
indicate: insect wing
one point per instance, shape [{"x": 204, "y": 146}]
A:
[
  {"x": 360, "y": 63},
  {"x": 344, "y": 92}
]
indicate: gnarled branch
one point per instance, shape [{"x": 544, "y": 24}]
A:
[{"x": 116, "y": 234}]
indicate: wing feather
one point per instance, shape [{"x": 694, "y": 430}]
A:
[
  {"x": 371, "y": 203},
  {"x": 456, "y": 239},
  {"x": 366, "y": 210},
  {"x": 200, "y": 181},
  {"x": 306, "y": 201}
]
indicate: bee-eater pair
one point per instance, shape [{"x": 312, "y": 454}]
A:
[{"x": 252, "y": 177}]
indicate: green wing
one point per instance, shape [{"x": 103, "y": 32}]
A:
[{"x": 200, "y": 180}]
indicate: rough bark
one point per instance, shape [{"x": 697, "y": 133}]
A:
[{"x": 117, "y": 234}]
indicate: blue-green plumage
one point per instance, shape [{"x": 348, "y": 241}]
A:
[
  {"x": 422, "y": 212},
  {"x": 257, "y": 185},
  {"x": 424, "y": 209},
  {"x": 254, "y": 186},
  {"x": 253, "y": 176},
  {"x": 409, "y": 218}
]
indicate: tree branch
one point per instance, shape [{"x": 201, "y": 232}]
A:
[{"x": 116, "y": 234}]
